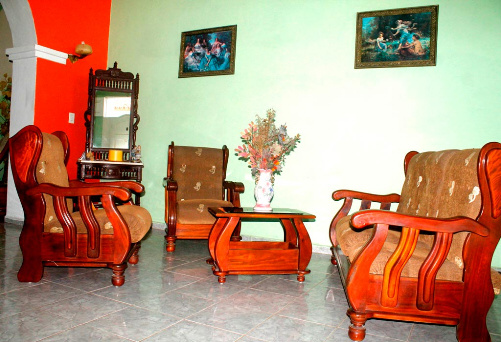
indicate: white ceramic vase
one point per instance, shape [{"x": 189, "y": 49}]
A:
[{"x": 263, "y": 192}]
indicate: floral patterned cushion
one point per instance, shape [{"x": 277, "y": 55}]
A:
[
  {"x": 51, "y": 169},
  {"x": 198, "y": 172},
  {"x": 443, "y": 184},
  {"x": 195, "y": 211}
]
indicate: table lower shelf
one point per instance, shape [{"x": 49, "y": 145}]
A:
[{"x": 259, "y": 257}]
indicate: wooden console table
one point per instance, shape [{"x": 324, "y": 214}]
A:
[
  {"x": 99, "y": 169},
  {"x": 259, "y": 257}
]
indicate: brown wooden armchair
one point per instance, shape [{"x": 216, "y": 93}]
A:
[
  {"x": 430, "y": 261},
  {"x": 53, "y": 233},
  {"x": 196, "y": 181}
]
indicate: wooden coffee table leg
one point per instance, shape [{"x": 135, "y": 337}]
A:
[
  {"x": 305, "y": 248},
  {"x": 213, "y": 236},
  {"x": 221, "y": 246},
  {"x": 300, "y": 276},
  {"x": 290, "y": 231},
  {"x": 221, "y": 279}
]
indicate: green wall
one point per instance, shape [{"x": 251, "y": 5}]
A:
[{"x": 297, "y": 57}]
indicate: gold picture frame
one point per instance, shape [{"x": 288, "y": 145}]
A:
[
  {"x": 405, "y": 37},
  {"x": 208, "y": 52}
]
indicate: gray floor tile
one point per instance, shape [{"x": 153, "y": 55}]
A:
[
  {"x": 84, "y": 308},
  {"x": 433, "y": 333},
  {"x": 185, "y": 331},
  {"x": 210, "y": 288},
  {"x": 341, "y": 335},
  {"x": 176, "y": 303},
  {"x": 261, "y": 300},
  {"x": 277, "y": 284},
  {"x": 40, "y": 295},
  {"x": 328, "y": 295},
  {"x": 85, "y": 333},
  {"x": 175, "y": 297},
  {"x": 9, "y": 282},
  {"x": 279, "y": 328},
  {"x": 316, "y": 312},
  {"x": 90, "y": 281},
  {"x": 194, "y": 269},
  {"x": 31, "y": 326},
  {"x": 249, "y": 339},
  {"x": 134, "y": 323},
  {"x": 390, "y": 329},
  {"x": 231, "y": 317}
]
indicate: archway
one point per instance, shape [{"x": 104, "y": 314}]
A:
[{"x": 22, "y": 27}]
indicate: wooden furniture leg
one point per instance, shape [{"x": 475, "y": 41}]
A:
[
  {"x": 118, "y": 278},
  {"x": 222, "y": 246},
  {"x": 170, "y": 245},
  {"x": 356, "y": 330},
  {"x": 134, "y": 258},
  {"x": 305, "y": 248}
]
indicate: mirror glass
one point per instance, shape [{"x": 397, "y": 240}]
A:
[{"x": 112, "y": 119}]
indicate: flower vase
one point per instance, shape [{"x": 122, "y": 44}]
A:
[{"x": 263, "y": 192}]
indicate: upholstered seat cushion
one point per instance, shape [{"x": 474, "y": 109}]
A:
[
  {"x": 352, "y": 241},
  {"x": 195, "y": 211},
  {"x": 138, "y": 219}
]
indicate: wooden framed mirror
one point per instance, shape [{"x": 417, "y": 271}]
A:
[{"x": 111, "y": 119}]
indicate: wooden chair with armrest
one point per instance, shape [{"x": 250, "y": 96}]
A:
[
  {"x": 430, "y": 261},
  {"x": 53, "y": 233},
  {"x": 196, "y": 180}
]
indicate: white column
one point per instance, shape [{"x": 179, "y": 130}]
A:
[{"x": 23, "y": 104}]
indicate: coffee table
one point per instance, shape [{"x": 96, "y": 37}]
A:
[{"x": 259, "y": 257}]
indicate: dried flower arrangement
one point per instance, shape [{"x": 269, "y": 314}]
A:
[
  {"x": 265, "y": 146},
  {"x": 5, "y": 98}
]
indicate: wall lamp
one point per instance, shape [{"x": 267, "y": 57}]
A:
[{"x": 81, "y": 51}]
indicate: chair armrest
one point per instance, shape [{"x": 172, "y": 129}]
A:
[
  {"x": 235, "y": 186},
  {"x": 366, "y": 198},
  {"x": 448, "y": 225},
  {"x": 444, "y": 230},
  {"x": 170, "y": 184},
  {"x": 170, "y": 216},
  {"x": 133, "y": 186},
  {"x": 233, "y": 191},
  {"x": 85, "y": 190},
  {"x": 122, "y": 239},
  {"x": 342, "y": 194}
]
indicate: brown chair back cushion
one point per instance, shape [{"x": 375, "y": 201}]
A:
[
  {"x": 443, "y": 184},
  {"x": 198, "y": 172},
  {"x": 51, "y": 169}
]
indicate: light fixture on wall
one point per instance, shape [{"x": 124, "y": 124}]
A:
[{"x": 81, "y": 51}]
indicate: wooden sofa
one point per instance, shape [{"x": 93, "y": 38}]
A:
[{"x": 430, "y": 261}]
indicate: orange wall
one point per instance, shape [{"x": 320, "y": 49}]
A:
[{"x": 61, "y": 89}]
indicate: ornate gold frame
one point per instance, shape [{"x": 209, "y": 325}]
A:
[
  {"x": 191, "y": 35},
  {"x": 403, "y": 62}
]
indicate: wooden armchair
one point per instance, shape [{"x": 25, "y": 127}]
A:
[
  {"x": 196, "y": 181},
  {"x": 53, "y": 233},
  {"x": 430, "y": 261}
]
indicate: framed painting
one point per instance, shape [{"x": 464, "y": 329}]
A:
[
  {"x": 403, "y": 37},
  {"x": 208, "y": 52}
]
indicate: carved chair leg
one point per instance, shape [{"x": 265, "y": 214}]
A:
[
  {"x": 134, "y": 258},
  {"x": 118, "y": 278},
  {"x": 31, "y": 270},
  {"x": 170, "y": 243},
  {"x": 333, "y": 258},
  {"x": 356, "y": 332},
  {"x": 473, "y": 329}
]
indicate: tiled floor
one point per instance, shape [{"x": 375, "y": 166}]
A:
[{"x": 175, "y": 297}]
